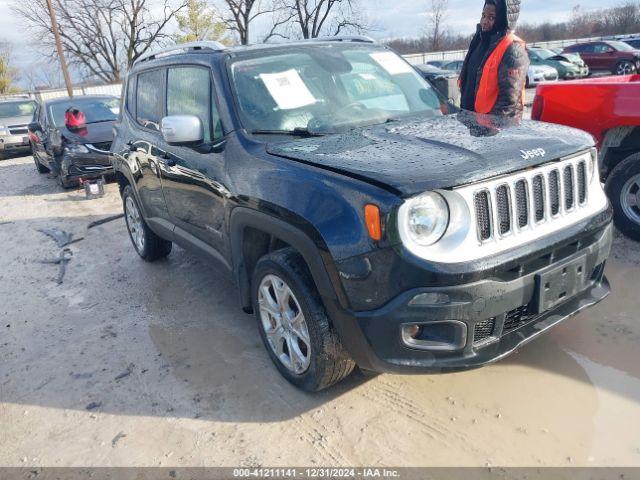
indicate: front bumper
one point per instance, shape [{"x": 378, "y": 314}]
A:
[
  {"x": 14, "y": 142},
  {"x": 573, "y": 74},
  {"x": 86, "y": 165},
  {"x": 542, "y": 78},
  {"x": 498, "y": 315}
]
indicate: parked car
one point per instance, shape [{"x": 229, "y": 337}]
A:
[
  {"x": 438, "y": 63},
  {"x": 15, "y": 115},
  {"x": 363, "y": 221},
  {"x": 613, "y": 56},
  {"x": 609, "y": 109},
  {"x": 633, "y": 42},
  {"x": 455, "y": 66},
  {"x": 445, "y": 81},
  {"x": 537, "y": 74},
  {"x": 568, "y": 67},
  {"x": 74, "y": 151}
]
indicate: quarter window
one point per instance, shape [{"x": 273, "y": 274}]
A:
[
  {"x": 131, "y": 95},
  {"x": 189, "y": 92},
  {"x": 149, "y": 99}
]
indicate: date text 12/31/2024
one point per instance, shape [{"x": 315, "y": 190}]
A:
[{"x": 315, "y": 473}]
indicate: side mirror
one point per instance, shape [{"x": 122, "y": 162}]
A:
[
  {"x": 182, "y": 130},
  {"x": 34, "y": 127}
]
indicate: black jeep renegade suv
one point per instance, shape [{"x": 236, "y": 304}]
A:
[{"x": 363, "y": 219}]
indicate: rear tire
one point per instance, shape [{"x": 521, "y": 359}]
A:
[
  {"x": 623, "y": 189},
  {"x": 625, "y": 67},
  {"x": 149, "y": 246},
  {"x": 319, "y": 360}
]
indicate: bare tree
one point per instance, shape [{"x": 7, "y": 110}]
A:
[
  {"x": 316, "y": 18},
  {"x": 43, "y": 76},
  {"x": 239, "y": 15},
  {"x": 437, "y": 17},
  {"x": 102, "y": 38}
]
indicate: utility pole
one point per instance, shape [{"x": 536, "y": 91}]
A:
[{"x": 63, "y": 62}]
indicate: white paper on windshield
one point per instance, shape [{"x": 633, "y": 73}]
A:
[
  {"x": 391, "y": 62},
  {"x": 288, "y": 89},
  {"x": 368, "y": 76}
]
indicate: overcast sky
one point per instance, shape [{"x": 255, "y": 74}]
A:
[{"x": 392, "y": 18}]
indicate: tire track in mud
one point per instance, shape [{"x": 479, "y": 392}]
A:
[
  {"x": 387, "y": 394},
  {"x": 382, "y": 398},
  {"x": 316, "y": 435}
]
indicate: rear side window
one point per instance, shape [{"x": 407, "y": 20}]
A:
[
  {"x": 585, "y": 48},
  {"x": 149, "y": 99},
  {"x": 189, "y": 92}
]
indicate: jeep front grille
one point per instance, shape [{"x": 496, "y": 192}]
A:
[
  {"x": 483, "y": 213},
  {"x": 527, "y": 199},
  {"x": 499, "y": 214}
]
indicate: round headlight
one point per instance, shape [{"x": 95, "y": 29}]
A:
[{"x": 426, "y": 218}]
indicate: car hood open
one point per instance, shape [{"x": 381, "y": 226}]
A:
[
  {"x": 422, "y": 154},
  {"x": 575, "y": 59}
]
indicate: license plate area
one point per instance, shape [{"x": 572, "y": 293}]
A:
[{"x": 560, "y": 283}]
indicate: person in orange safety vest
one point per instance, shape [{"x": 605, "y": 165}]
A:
[{"x": 494, "y": 72}]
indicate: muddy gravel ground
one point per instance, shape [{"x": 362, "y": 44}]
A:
[{"x": 133, "y": 364}]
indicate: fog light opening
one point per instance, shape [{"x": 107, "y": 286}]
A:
[
  {"x": 413, "y": 331},
  {"x": 448, "y": 335}
]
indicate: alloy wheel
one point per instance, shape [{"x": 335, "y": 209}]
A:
[
  {"x": 134, "y": 223},
  {"x": 284, "y": 324},
  {"x": 630, "y": 199},
  {"x": 625, "y": 68}
]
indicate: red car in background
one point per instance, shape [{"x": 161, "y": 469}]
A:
[
  {"x": 609, "y": 109},
  {"x": 619, "y": 58}
]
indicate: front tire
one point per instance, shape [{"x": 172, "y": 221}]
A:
[
  {"x": 39, "y": 167},
  {"x": 623, "y": 189},
  {"x": 64, "y": 183},
  {"x": 294, "y": 325},
  {"x": 149, "y": 246}
]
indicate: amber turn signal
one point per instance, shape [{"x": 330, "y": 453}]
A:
[{"x": 372, "y": 218}]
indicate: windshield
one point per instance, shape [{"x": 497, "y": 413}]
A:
[
  {"x": 17, "y": 109},
  {"x": 95, "y": 110},
  {"x": 544, "y": 53},
  {"x": 622, "y": 47},
  {"x": 324, "y": 89}
]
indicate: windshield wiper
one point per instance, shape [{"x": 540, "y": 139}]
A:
[
  {"x": 101, "y": 121},
  {"x": 296, "y": 132}
]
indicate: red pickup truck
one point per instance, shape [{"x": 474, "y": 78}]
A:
[{"x": 609, "y": 109}]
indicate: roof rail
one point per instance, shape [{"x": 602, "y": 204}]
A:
[
  {"x": 193, "y": 46},
  {"x": 345, "y": 38}
]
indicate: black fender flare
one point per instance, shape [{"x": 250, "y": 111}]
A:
[
  {"x": 324, "y": 273},
  {"x": 121, "y": 167}
]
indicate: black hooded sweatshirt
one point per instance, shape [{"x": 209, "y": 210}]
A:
[{"x": 512, "y": 73}]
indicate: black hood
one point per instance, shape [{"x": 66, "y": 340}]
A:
[
  {"x": 427, "y": 153},
  {"x": 92, "y": 133}
]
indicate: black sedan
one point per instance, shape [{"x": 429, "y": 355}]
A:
[{"x": 71, "y": 137}]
